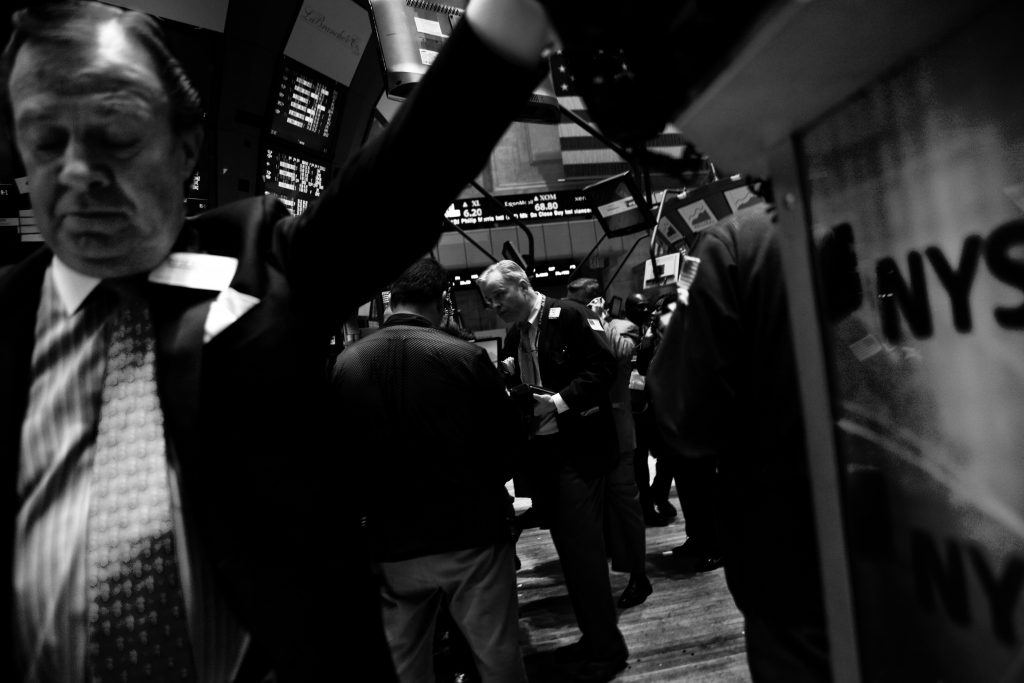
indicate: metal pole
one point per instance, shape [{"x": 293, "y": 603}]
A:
[{"x": 519, "y": 223}]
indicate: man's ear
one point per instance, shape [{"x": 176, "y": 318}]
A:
[{"x": 190, "y": 141}]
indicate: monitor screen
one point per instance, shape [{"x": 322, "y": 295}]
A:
[
  {"x": 295, "y": 180},
  {"x": 306, "y": 107},
  {"x": 619, "y": 206}
]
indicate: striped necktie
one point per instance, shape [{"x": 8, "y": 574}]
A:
[
  {"x": 528, "y": 355},
  {"x": 137, "y": 624}
]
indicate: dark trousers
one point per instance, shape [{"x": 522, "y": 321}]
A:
[
  {"x": 625, "y": 531},
  {"x": 574, "y": 509},
  {"x": 697, "y": 483},
  {"x": 644, "y": 434}
]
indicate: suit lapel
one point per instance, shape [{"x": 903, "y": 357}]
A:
[
  {"x": 19, "y": 300},
  {"x": 545, "y": 332},
  {"x": 20, "y": 287},
  {"x": 179, "y": 315},
  {"x": 179, "y": 318}
]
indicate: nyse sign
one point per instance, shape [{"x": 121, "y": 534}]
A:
[
  {"x": 927, "y": 355},
  {"x": 542, "y": 207}
]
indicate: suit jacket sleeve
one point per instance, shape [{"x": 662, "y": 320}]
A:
[
  {"x": 590, "y": 355},
  {"x": 623, "y": 340},
  {"x": 510, "y": 349},
  {"x": 384, "y": 209}
]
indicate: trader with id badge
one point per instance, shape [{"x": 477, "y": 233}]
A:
[{"x": 554, "y": 346}]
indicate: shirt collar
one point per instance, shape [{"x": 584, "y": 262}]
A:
[
  {"x": 538, "y": 304},
  {"x": 406, "y": 319},
  {"x": 72, "y": 287}
]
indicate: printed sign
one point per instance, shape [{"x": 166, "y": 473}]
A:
[
  {"x": 698, "y": 215},
  {"x": 741, "y": 198},
  {"x": 662, "y": 271}
]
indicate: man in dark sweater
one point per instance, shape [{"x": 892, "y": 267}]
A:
[{"x": 436, "y": 443}]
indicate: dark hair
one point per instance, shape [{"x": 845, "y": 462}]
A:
[
  {"x": 423, "y": 282},
  {"x": 584, "y": 290},
  {"x": 637, "y": 308},
  {"x": 66, "y": 24}
]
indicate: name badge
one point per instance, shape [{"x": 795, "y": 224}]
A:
[
  {"x": 595, "y": 324},
  {"x": 195, "y": 271},
  {"x": 554, "y": 313}
]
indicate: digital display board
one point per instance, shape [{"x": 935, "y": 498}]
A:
[
  {"x": 542, "y": 207},
  {"x": 306, "y": 107},
  {"x": 295, "y": 180}
]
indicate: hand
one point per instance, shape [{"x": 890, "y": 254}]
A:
[{"x": 543, "y": 404}]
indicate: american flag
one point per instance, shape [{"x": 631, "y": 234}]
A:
[{"x": 583, "y": 155}]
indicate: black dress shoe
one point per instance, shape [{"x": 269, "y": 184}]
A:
[
  {"x": 665, "y": 509},
  {"x": 707, "y": 563},
  {"x": 653, "y": 518},
  {"x": 687, "y": 551},
  {"x": 696, "y": 557},
  {"x": 636, "y": 592},
  {"x": 596, "y": 670},
  {"x": 570, "y": 654}
]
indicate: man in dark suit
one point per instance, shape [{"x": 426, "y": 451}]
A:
[
  {"x": 214, "y": 328},
  {"x": 724, "y": 389},
  {"x": 563, "y": 369},
  {"x": 625, "y": 532},
  {"x": 438, "y": 437}
]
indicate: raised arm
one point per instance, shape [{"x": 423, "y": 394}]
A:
[{"x": 385, "y": 207}]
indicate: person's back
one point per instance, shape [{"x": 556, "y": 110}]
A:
[
  {"x": 436, "y": 441},
  {"x": 432, "y": 469},
  {"x": 724, "y": 386}
]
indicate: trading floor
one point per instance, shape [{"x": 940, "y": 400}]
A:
[{"x": 687, "y": 630}]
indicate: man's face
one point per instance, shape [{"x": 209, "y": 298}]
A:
[
  {"x": 508, "y": 298},
  {"x": 105, "y": 170}
]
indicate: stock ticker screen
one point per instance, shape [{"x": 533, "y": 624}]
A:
[
  {"x": 306, "y": 107},
  {"x": 296, "y": 181}
]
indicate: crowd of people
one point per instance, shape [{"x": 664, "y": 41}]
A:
[{"x": 192, "y": 499}]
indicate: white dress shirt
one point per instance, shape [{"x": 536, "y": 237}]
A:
[{"x": 57, "y": 447}]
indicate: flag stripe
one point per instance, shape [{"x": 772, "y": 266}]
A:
[{"x": 583, "y": 155}]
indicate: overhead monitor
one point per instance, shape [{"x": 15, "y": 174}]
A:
[
  {"x": 681, "y": 216},
  {"x": 411, "y": 33},
  {"x": 619, "y": 206},
  {"x": 295, "y": 180},
  {"x": 306, "y": 107}
]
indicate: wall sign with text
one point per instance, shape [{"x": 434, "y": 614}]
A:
[{"x": 922, "y": 171}]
